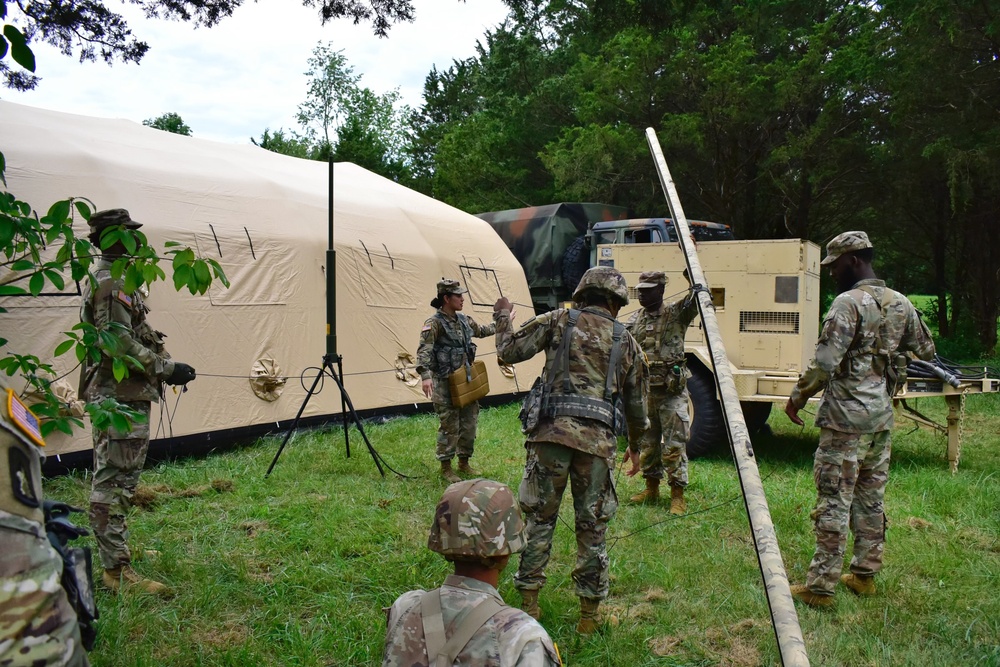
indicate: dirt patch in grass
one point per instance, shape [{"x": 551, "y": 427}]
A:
[
  {"x": 228, "y": 634},
  {"x": 665, "y": 645},
  {"x": 734, "y": 645},
  {"x": 917, "y": 523},
  {"x": 254, "y": 528},
  {"x": 148, "y": 496}
]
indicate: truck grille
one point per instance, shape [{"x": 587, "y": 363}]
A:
[{"x": 757, "y": 321}]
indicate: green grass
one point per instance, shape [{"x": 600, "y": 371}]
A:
[{"x": 295, "y": 569}]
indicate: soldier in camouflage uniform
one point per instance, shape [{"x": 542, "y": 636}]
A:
[
  {"x": 477, "y": 526},
  {"x": 659, "y": 329},
  {"x": 867, "y": 326},
  {"x": 37, "y": 623},
  {"x": 119, "y": 456},
  {"x": 590, "y": 385},
  {"x": 445, "y": 346}
]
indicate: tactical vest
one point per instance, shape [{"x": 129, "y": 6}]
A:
[
  {"x": 452, "y": 350},
  {"x": 669, "y": 373},
  {"x": 883, "y": 363},
  {"x": 608, "y": 408}
]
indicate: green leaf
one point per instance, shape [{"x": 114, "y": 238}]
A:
[
  {"x": 3, "y": 42},
  {"x": 64, "y": 347},
  {"x": 181, "y": 275},
  {"x": 219, "y": 273},
  {"x": 118, "y": 369},
  {"x": 56, "y": 279},
  {"x": 19, "y": 49},
  {"x": 36, "y": 284},
  {"x": 22, "y": 265},
  {"x": 59, "y": 211},
  {"x": 202, "y": 273},
  {"x": 120, "y": 423},
  {"x": 83, "y": 209},
  {"x": 132, "y": 278},
  {"x": 11, "y": 290}
]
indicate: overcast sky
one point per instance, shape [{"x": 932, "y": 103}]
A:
[{"x": 232, "y": 81}]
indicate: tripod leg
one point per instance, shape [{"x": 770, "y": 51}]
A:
[
  {"x": 357, "y": 420},
  {"x": 295, "y": 422},
  {"x": 343, "y": 406}
]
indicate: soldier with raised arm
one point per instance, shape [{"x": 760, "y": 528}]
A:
[
  {"x": 659, "y": 329},
  {"x": 593, "y": 385},
  {"x": 867, "y": 327}
]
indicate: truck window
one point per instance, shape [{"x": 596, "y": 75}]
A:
[
  {"x": 643, "y": 236},
  {"x": 604, "y": 238}
]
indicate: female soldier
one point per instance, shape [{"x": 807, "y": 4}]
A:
[{"x": 445, "y": 346}]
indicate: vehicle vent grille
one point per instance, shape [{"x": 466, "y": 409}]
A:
[{"x": 755, "y": 321}]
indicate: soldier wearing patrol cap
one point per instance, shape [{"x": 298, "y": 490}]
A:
[
  {"x": 37, "y": 625},
  {"x": 592, "y": 388},
  {"x": 659, "y": 329},
  {"x": 867, "y": 327},
  {"x": 477, "y": 526},
  {"x": 119, "y": 456},
  {"x": 445, "y": 346}
]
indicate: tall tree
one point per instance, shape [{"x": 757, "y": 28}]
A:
[{"x": 169, "y": 122}]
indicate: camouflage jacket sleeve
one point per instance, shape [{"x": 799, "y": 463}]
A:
[
  {"x": 533, "y": 337},
  {"x": 837, "y": 333},
  {"x": 113, "y": 306},
  {"x": 687, "y": 308},
  {"x": 917, "y": 337},
  {"x": 425, "y": 351},
  {"x": 635, "y": 389},
  {"x": 479, "y": 330}
]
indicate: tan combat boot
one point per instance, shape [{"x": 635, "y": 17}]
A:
[
  {"x": 590, "y": 616},
  {"x": 466, "y": 469},
  {"x": 861, "y": 584},
  {"x": 651, "y": 494},
  {"x": 529, "y": 604},
  {"x": 124, "y": 576},
  {"x": 448, "y": 473},
  {"x": 802, "y": 593},
  {"x": 678, "y": 505}
]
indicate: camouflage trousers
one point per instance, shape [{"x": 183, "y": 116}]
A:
[
  {"x": 457, "y": 432},
  {"x": 118, "y": 461},
  {"x": 850, "y": 470},
  {"x": 37, "y": 624},
  {"x": 548, "y": 468},
  {"x": 664, "y": 444}
]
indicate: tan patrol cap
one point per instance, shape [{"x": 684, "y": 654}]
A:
[
  {"x": 112, "y": 217},
  {"x": 648, "y": 279},
  {"x": 446, "y": 286},
  {"x": 843, "y": 244}
]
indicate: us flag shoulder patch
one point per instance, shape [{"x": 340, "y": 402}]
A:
[
  {"x": 24, "y": 419},
  {"x": 124, "y": 298},
  {"x": 427, "y": 327}
]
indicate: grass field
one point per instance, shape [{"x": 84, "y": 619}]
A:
[{"x": 295, "y": 569}]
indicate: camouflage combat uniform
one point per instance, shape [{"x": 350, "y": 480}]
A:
[
  {"x": 444, "y": 341},
  {"x": 577, "y": 450},
  {"x": 37, "y": 623},
  {"x": 510, "y": 637},
  {"x": 660, "y": 334},
  {"x": 119, "y": 457},
  {"x": 855, "y": 417}
]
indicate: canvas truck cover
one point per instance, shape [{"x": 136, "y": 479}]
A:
[
  {"x": 264, "y": 217},
  {"x": 541, "y": 236}
]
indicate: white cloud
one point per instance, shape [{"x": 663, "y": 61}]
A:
[{"x": 230, "y": 82}]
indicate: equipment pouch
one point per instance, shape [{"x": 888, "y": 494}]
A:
[
  {"x": 78, "y": 575},
  {"x": 531, "y": 410},
  {"x": 619, "y": 426}
]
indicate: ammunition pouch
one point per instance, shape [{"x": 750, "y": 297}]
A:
[
  {"x": 532, "y": 408},
  {"x": 78, "y": 575}
]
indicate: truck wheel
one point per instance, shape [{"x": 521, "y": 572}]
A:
[
  {"x": 708, "y": 424},
  {"x": 576, "y": 261}
]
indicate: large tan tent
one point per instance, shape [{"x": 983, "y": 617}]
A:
[{"x": 264, "y": 217}]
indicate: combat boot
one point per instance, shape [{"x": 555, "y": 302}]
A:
[
  {"x": 466, "y": 469},
  {"x": 862, "y": 584},
  {"x": 651, "y": 494},
  {"x": 529, "y": 604},
  {"x": 802, "y": 593},
  {"x": 124, "y": 576},
  {"x": 678, "y": 505},
  {"x": 448, "y": 473},
  {"x": 590, "y": 616}
]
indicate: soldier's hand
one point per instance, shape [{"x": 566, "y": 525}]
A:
[
  {"x": 503, "y": 303},
  {"x": 428, "y": 387},
  {"x": 183, "y": 373},
  {"x": 793, "y": 413},
  {"x": 633, "y": 457}
]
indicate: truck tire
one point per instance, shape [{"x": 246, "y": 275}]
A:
[
  {"x": 576, "y": 261},
  {"x": 708, "y": 424}
]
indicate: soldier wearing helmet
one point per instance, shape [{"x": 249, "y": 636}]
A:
[
  {"x": 445, "y": 346},
  {"x": 593, "y": 386},
  {"x": 659, "y": 329},
  {"x": 477, "y": 526}
]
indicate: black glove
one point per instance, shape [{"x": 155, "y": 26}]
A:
[{"x": 182, "y": 374}]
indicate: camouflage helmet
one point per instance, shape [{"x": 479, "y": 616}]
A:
[
  {"x": 477, "y": 518},
  {"x": 603, "y": 279},
  {"x": 111, "y": 218},
  {"x": 447, "y": 286},
  {"x": 845, "y": 243}
]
